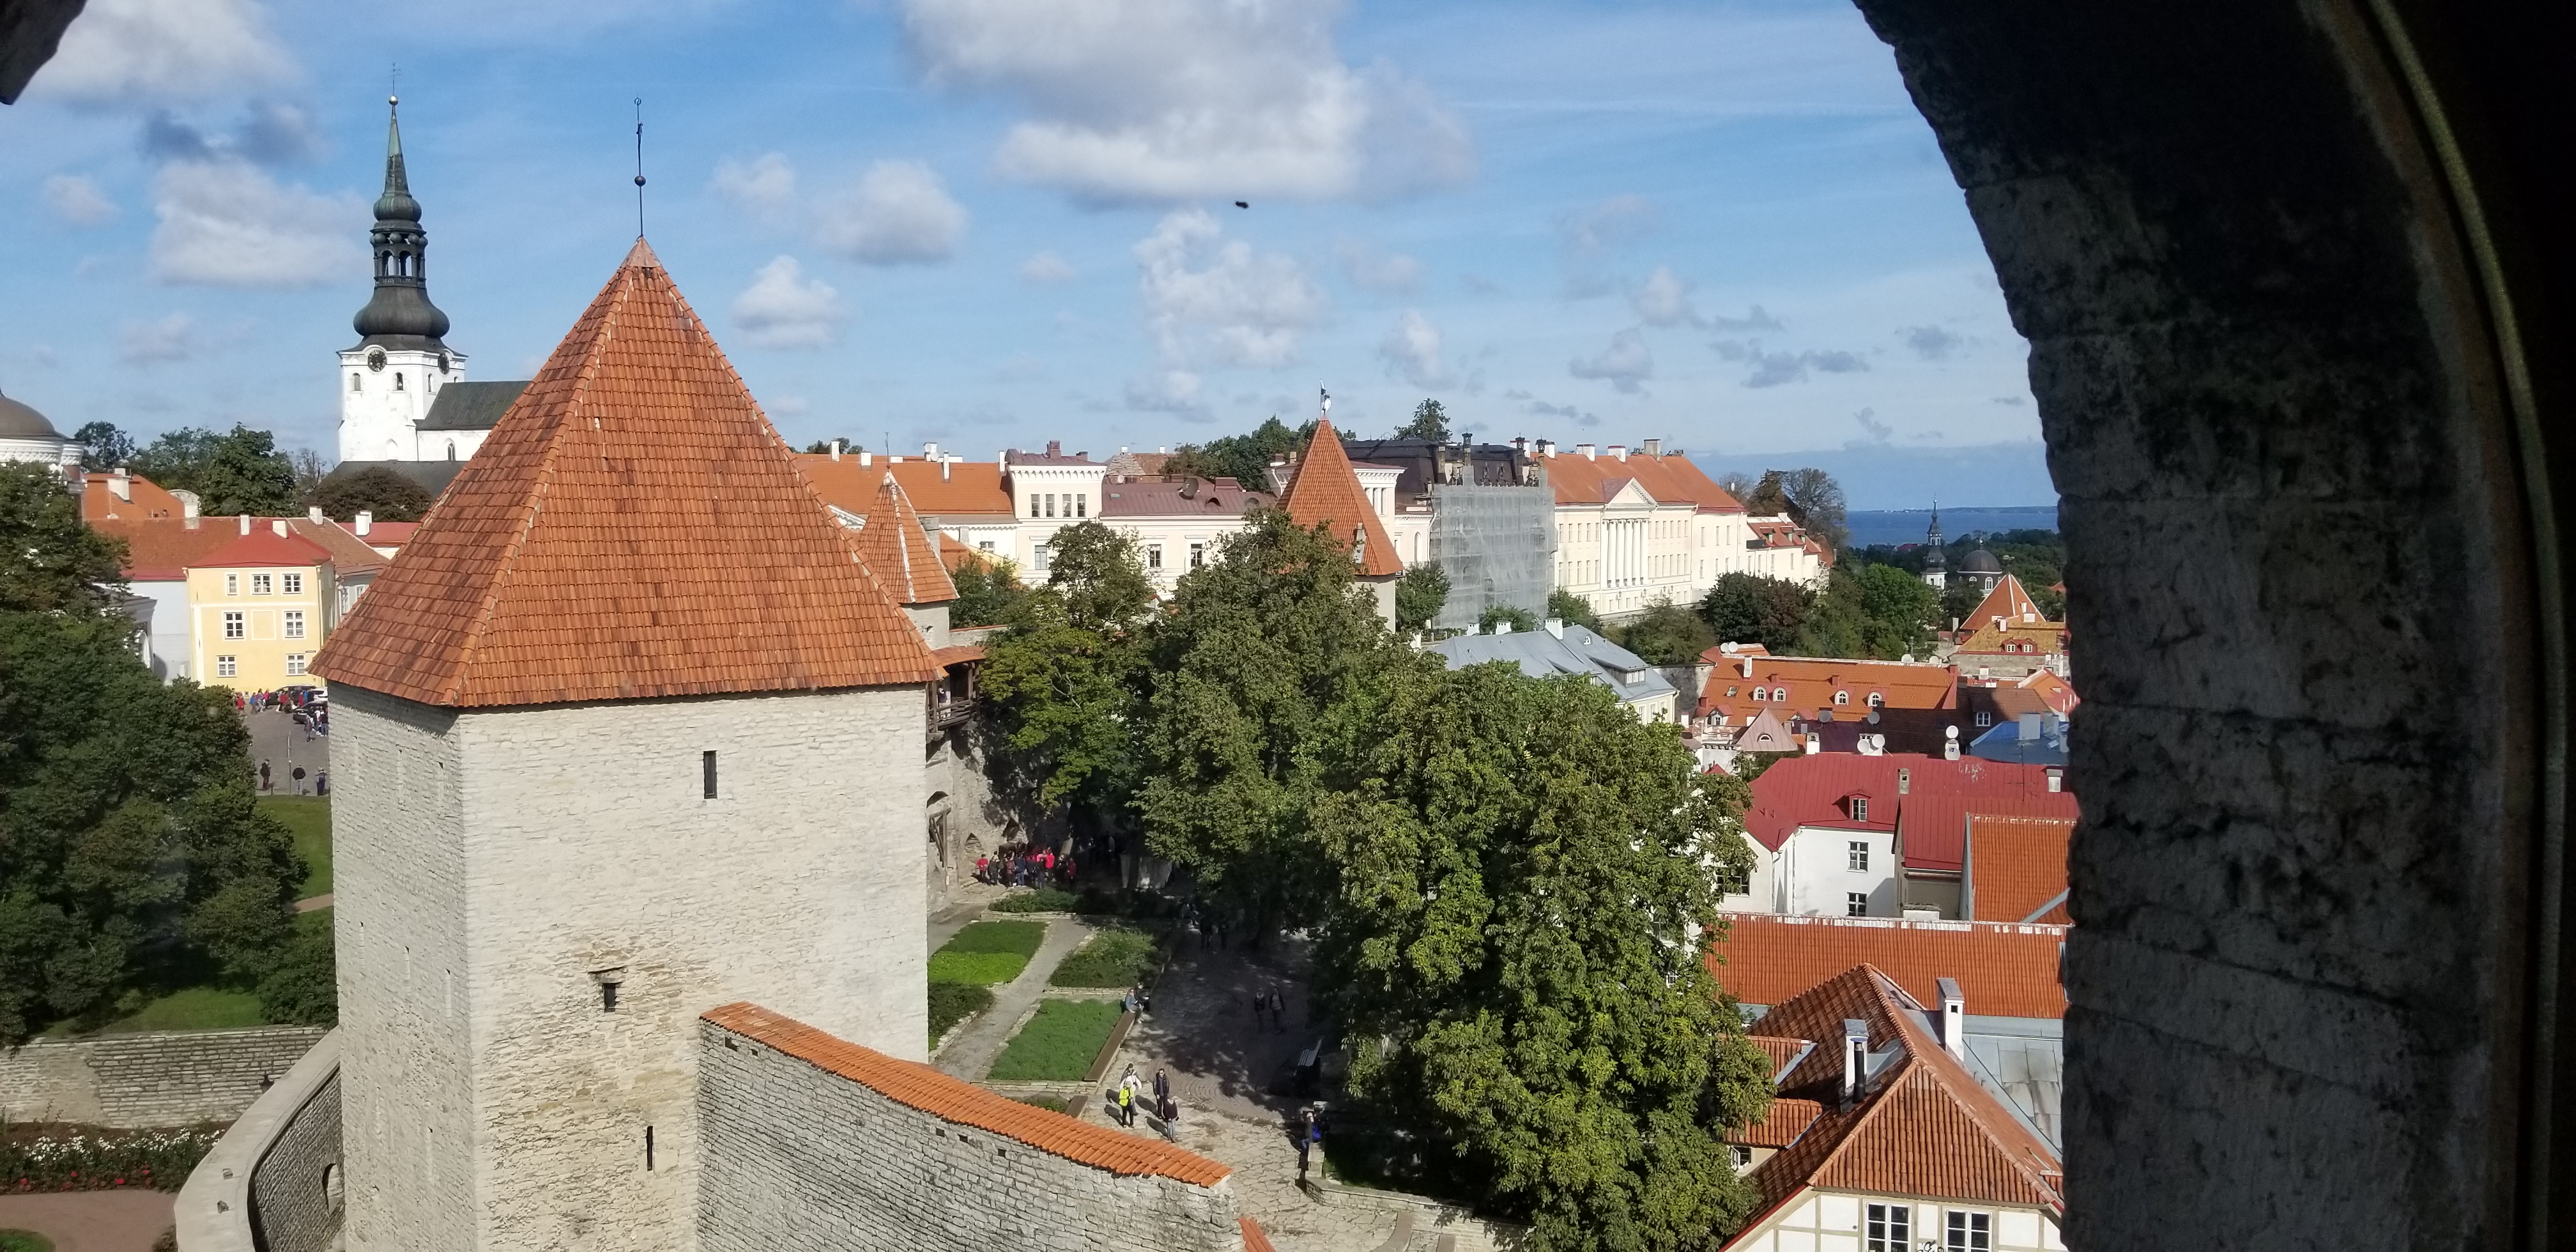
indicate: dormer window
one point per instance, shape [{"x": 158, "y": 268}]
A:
[
  {"x": 1876, "y": 699},
  {"x": 1859, "y": 806},
  {"x": 1842, "y": 697}
]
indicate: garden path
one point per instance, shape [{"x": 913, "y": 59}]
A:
[{"x": 970, "y": 1055}]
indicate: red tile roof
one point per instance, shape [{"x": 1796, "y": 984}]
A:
[
  {"x": 898, "y": 552},
  {"x": 919, "y": 1087},
  {"x": 2004, "y": 970},
  {"x": 2008, "y": 601},
  {"x": 1781, "y": 1050},
  {"x": 2016, "y": 867},
  {"x": 1254, "y": 1238},
  {"x": 388, "y": 534},
  {"x": 958, "y": 654},
  {"x": 2008, "y": 623},
  {"x": 631, "y": 528},
  {"x": 966, "y": 489},
  {"x": 1787, "y": 1120},
  {"x": 1806, "y": 686},
  {"x": 263, "y": 546},
  {"x": 1579, "y": 479},
  {"x": 1325, "y": 491},
  {"x": 1199, "y": 498},
  {"x": 162, "y": 550},
  {"x": 1811, "y": 790},
  {"x": 149, "y": 503}
]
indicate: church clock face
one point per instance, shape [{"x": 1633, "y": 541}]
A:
[{"x": 376, "y": 359}]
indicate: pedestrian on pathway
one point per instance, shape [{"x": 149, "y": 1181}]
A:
[
  {"x": 1127, "y": 1104},
  {"x": 1310, "y": 1135},
  {"x": 1162, "y": 1088},
  {"x": 1171, "y": 1112},
  {"x": 263, "y": 775}
]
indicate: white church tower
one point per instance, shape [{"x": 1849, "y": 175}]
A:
[
  {"x": 401, "y": 362},
  {"x": 626, "y": 733}
]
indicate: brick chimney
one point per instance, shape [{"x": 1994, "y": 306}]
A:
[{"x": 1055, "y": 447}]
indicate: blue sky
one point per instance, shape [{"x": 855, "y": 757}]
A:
[{"x": 996, "y": 222}]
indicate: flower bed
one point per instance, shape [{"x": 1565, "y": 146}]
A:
[{"x": 86, "y": 1158}]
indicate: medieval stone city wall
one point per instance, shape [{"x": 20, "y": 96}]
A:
[
  {"x": 296, "y": 1190},
  {"x": 174, "y": 1078},
  {"x": 798, "y": 1156}
]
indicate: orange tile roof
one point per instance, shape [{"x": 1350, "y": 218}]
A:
[
  {"x": 2016, "y": 867},
  {"x": 1255, "y": 1239},
  {"x": 349, "y": 554},
  {"x": 899, "y": 553},
  {"x": 1805, "y": 686},
  {"x": 917, "y": 1086},
  {"x": 631, "y": 528},
  {"x": 150, "y": 502},
  {"x": 2004, "y": 970},
  {"x": 1325, "y": 491},
  {"x": 1787, "y": 1120},
  {"x": 958, "y": 654},
  {"x": 263, "y": 546},
  {"x": 2008, "y": 601},
  {"x": 967, "y": 489},
  {"x": 1922, "y": 1126},
  {"x": 161, "y": 550},
  {"x": 1781, "y": 1050},
  {"x": 1579, "y": 479}
]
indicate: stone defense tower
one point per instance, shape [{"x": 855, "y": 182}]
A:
[
  {"x": 627, "y": 733},
  {"x": 388, "y": 381}
]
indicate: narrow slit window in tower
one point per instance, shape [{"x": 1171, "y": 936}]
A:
[
  {"x": 648, "y": 1147},
  {"x": 707, "y": 767}
]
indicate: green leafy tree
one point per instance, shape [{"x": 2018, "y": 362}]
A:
[
  {"x": 1749, "y": 608},
  {"x": 1270, "y": 655},
  {"x": 988, "y": 592},
  {"x": 1835, "y": 626},
  {"x": 1497, "y": 614},
  {"x": 1430, "y": 421},
  {"x": 1810, "y": 497},
  {"x": 103, "y": 446},
  {"x": 1421, "y": 591},
  {"x": 849, "y": 447},
  {"x": 310, "y": 470},
  {"x": 1066, "y": 702},
  {"x": 1899, "y": 610},
  {"x": 49, "y": 561},
  {"x": 240, "y": 471},
  {"x": 1243, "y": 458},
  {"x": 1525, "y": 876},
  {"x": 1099, "y": 576},
  {"x": 376, "y": 490},
  {"x": 1668, "y": 634},
  {"x": 1572, "y": 609}
]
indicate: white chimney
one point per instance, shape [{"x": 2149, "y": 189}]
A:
[
  {"x": 1653, "y": 447},
  {"x": 1748, "y": 667},
  {"x": 836, "y": 449},
  {"x": 245, "y": 523},
  {"x": 892, "y": 459},
  {"x": 866, "y": 458},
  {"x": 944, "y": 463},
  {"x": 277, "y": 526},
  {"x": 121, "y": 485},
  {"x": 2056, "y": 781},
  {"x": 1954, "y": 1019},
  {"x": 1619, "y": 452},
  {"x": 1904, "y": 781},
  {"x": 1555, "y": 626},
  {"x": 366, "y": 522},
  {"x": 1855, "y": 1056},
  {"x": 1585, "y": 451},
  {"x": 930, "y": 452},
  {"x": 1815, "y": 743},
  {"x": 313, "y": 514},
  {"x": 1502, "y": 628},
  {"x": 187, "y": 506}
]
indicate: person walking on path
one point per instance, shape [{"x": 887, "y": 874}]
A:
[
  {"x": 1127, "y": 1103},
  {"x": 1310, "y": 1135},
  {"x": 263, "y": 775},
  {"x": 1162, "y": 1088}
]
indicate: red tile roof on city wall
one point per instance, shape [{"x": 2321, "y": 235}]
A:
[
  {"x": 1810, "y": 685},
  {"x": 2017, "y": 866},
  {"x": 264, "y": 546},
  {"x": 967, "y": 489},
  {"x": 1809, "y": 791},
  {"x": 1578, "y": 479},
  {"x": 1254, "y": 1238},
  {"x": 1922, "y": 1126},
  {"x": 898, "y": 552},
  {"x": 631, "y": 528},
  {"x": 958, "y": 654},
  {"x": 2004, "y": 970},
  {"x": 1326, "y": 491},
  {"x": 149, "y": 503},
  {"x": 919, "y": 1087}
]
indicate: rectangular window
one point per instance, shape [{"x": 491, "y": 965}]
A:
[
  {"x": 648, "y": 1147},
  {"x": 259, "y": 584},
  {"x": 1082, "y": 506},
  {"x": 1198, "y": 555},
  {"x": 1743, "y": 1156},
  {"x": 232, "y": 585},
  {"x": 983, "y": 545},
  {"x": 1050, "y": 499},
  {"x": 1890, "y": 1229},
  {"x": 1969, "y": 1232},
  {"x": 1860, "y": 808},
  {"x": 292, "y": 584},
  {"x": 1855, "y": 904},
  {"x": 607, "y": 997},
  {"x": 1033, "y": 504},
  {"x": 1153, "y": 556},
  {"x": 1984, "y": 718},
  {"x": 294, "y": 662},
  {"x": 707, "y": 768},
  {"x": 1859, "y": 856},
  {"x": 234, "y": 627},
  {"x": 1039, "y": 557},
  {"x": 295, "y": 623},
  {"x": 227, "y": 667}
]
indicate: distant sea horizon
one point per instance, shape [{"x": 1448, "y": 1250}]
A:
[{"x": 1903, "y": 526}]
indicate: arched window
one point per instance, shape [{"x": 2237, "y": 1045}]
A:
[
  {"x": 1842, "y": 697},
  {"x": 1875, "y": 699},
  {"x": 398, "y": 380},
  {"x": 353, "y": 382}
]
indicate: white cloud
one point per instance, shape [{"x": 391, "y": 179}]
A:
[
  {"x": 1932, "y": 343},
  {"x": 1588, "y": 239},
  {"x": 764, "y": 187},
  {"x": 1372, "y": 270},
  {"x": 78, "y": 200},
  {"x": 784, "y": 309},
  {"x": 1411, "y": 352},
  {"x": 1625, "y": 364},
  {"x": 1753, "y": 319},
  {"x": 227, "y": 224},
  {"x": 173, "y": 338},
  {"x": 1772, "y": 369},
  {"x": 132, "y": 51},
  {"x": 1179, "y": 99},
  {"x": 1664, "y": 300},
  {"x": 1045, "y": 268},
  {"x": 1878, "y": 431},
  {"x": 1173, "y": 391},
  {"x": 1205, "y": 293},
  {"x": 897, "y": 213}
]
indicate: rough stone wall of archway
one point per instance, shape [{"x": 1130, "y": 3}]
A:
[{"x": 2301, "y": 613}]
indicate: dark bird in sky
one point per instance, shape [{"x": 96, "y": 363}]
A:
[{"x": 1241, "y": 204}]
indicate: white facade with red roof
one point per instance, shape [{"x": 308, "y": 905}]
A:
[
  {"x": 1839, "y": 834},
  {"x": 1637, "y": 527}
]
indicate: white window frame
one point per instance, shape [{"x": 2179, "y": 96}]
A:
[
  {"x": 295, "y": 663},
  {"x": 232, "y": 586},
  {"x": 1860, "y": 808},
  {"x": 1964, "y": 1231},
  {"x": 1855, "y": 904},
  {"x": 260, "y": 584},
  {"x": 236, "y": 625},
  {"x": 1985, "y": 718},
  {"x": 1198, "y": 555},
  {"x": 1038, "y": 558},
  {"x": 1856, "y": 854},
  {"x": 1842, "y": 697},
  {"x": 294, "y": 623},
  {"x": 227, "y": 666},
  {"x": 1888, "y": 1228},
  {"x": 290, "y": 583},
  {"x": 1154, "y": 556}
]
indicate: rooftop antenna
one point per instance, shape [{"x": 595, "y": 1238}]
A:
[{"x": 639, "y": 167}]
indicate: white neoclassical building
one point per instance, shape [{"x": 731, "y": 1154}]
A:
[{"x": 26, "y": 435}]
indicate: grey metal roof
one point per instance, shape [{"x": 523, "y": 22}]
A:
[
  {"x": 18, "y": 421},
  {"x": 471, "y": 406},
  {"x": 1541, "y": 654},
  {"x": 1981, "y": 562}
]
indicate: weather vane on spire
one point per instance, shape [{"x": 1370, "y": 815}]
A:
[{"x": 639, "y": 167}]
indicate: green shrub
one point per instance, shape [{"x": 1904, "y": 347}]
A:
[
  {"x": 951, "y": 1003},
  {"x": 1051, "y": 1104},
  {"x": 1021, "y": 938},
  {"x": 30, "y": 1241},
  {"x": 1059, "y": 1043},
  {"x": 83, "y": 1158},
  {"x": 302, "y": 987},
  {"x": 1112, "y": 958},
  {"x": 978, "y": 969},
  {"x": 1042, "y": 900}
]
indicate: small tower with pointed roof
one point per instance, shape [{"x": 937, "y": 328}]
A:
[
  {"x": 1936, "y": 562},
  {"x": 401, "y": 360},
  {"x": 1325, "y": 491},
  {"x": 627, "y": 732},
  {"x": 898, "y": 551}
]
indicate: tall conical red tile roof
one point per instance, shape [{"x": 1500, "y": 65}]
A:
[
  {"x": 631, "y": 528},
  {"x": 898, "y": 552},
  {"x": 1326, "y": 491}
]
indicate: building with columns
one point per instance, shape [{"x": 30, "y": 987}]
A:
[{"x": 1635, "y": 527}]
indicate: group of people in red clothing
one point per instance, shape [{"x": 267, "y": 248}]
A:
[{"x": 1018, "y": 865}]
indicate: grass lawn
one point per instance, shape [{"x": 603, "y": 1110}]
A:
[
  {"x": 30, "y": 1241},
  {"x": 1112, "y": 958},
  {"x": 192, "y": 1008},
  {"x": 1049, "y": 1103},
  {"x": 1042, "y": 900},
  {"x": 1019, "y": 937},
  {"x": 951, "y": 1003},
  {"x": 308, "y": 818},
  {"x": 1058, "y": 1044},
  {"x": 987, "y": 953}
]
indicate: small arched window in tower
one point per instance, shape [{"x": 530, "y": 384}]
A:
[
  {"x": 332, "y": 1187},
  {"x": 398, "y": 380},
  {"x": 353, "y": 382},
  {"x": 451, "y": 449}
]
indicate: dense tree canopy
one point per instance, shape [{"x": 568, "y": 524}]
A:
[
  {"x": 988, "y": 592},
  {"x": 1499, "y": 614},
  {"x": 49, "y": 561},
  {"x": 1420, "y": 593},
  {"x": 1095, "y": 571},
  {"x": 1749, "y": 608},
  {"x": 1810, "y": 497},
  {"x": 103, "y": 446},
  {"x": 1572, "y": 609},
  {"x": 1243, "y": 458},
  {"x": 1430, "y": 421},
  {"x": 1065, "y": 680},
  {"x": 1667, "y": 634},
  {"x": 376, "y": 490},
  {"x": 240, "y": 471},
  {"x": 1524, "y": 873}
]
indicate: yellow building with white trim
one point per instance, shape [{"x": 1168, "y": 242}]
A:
[{"x": 259, "y": 609}]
